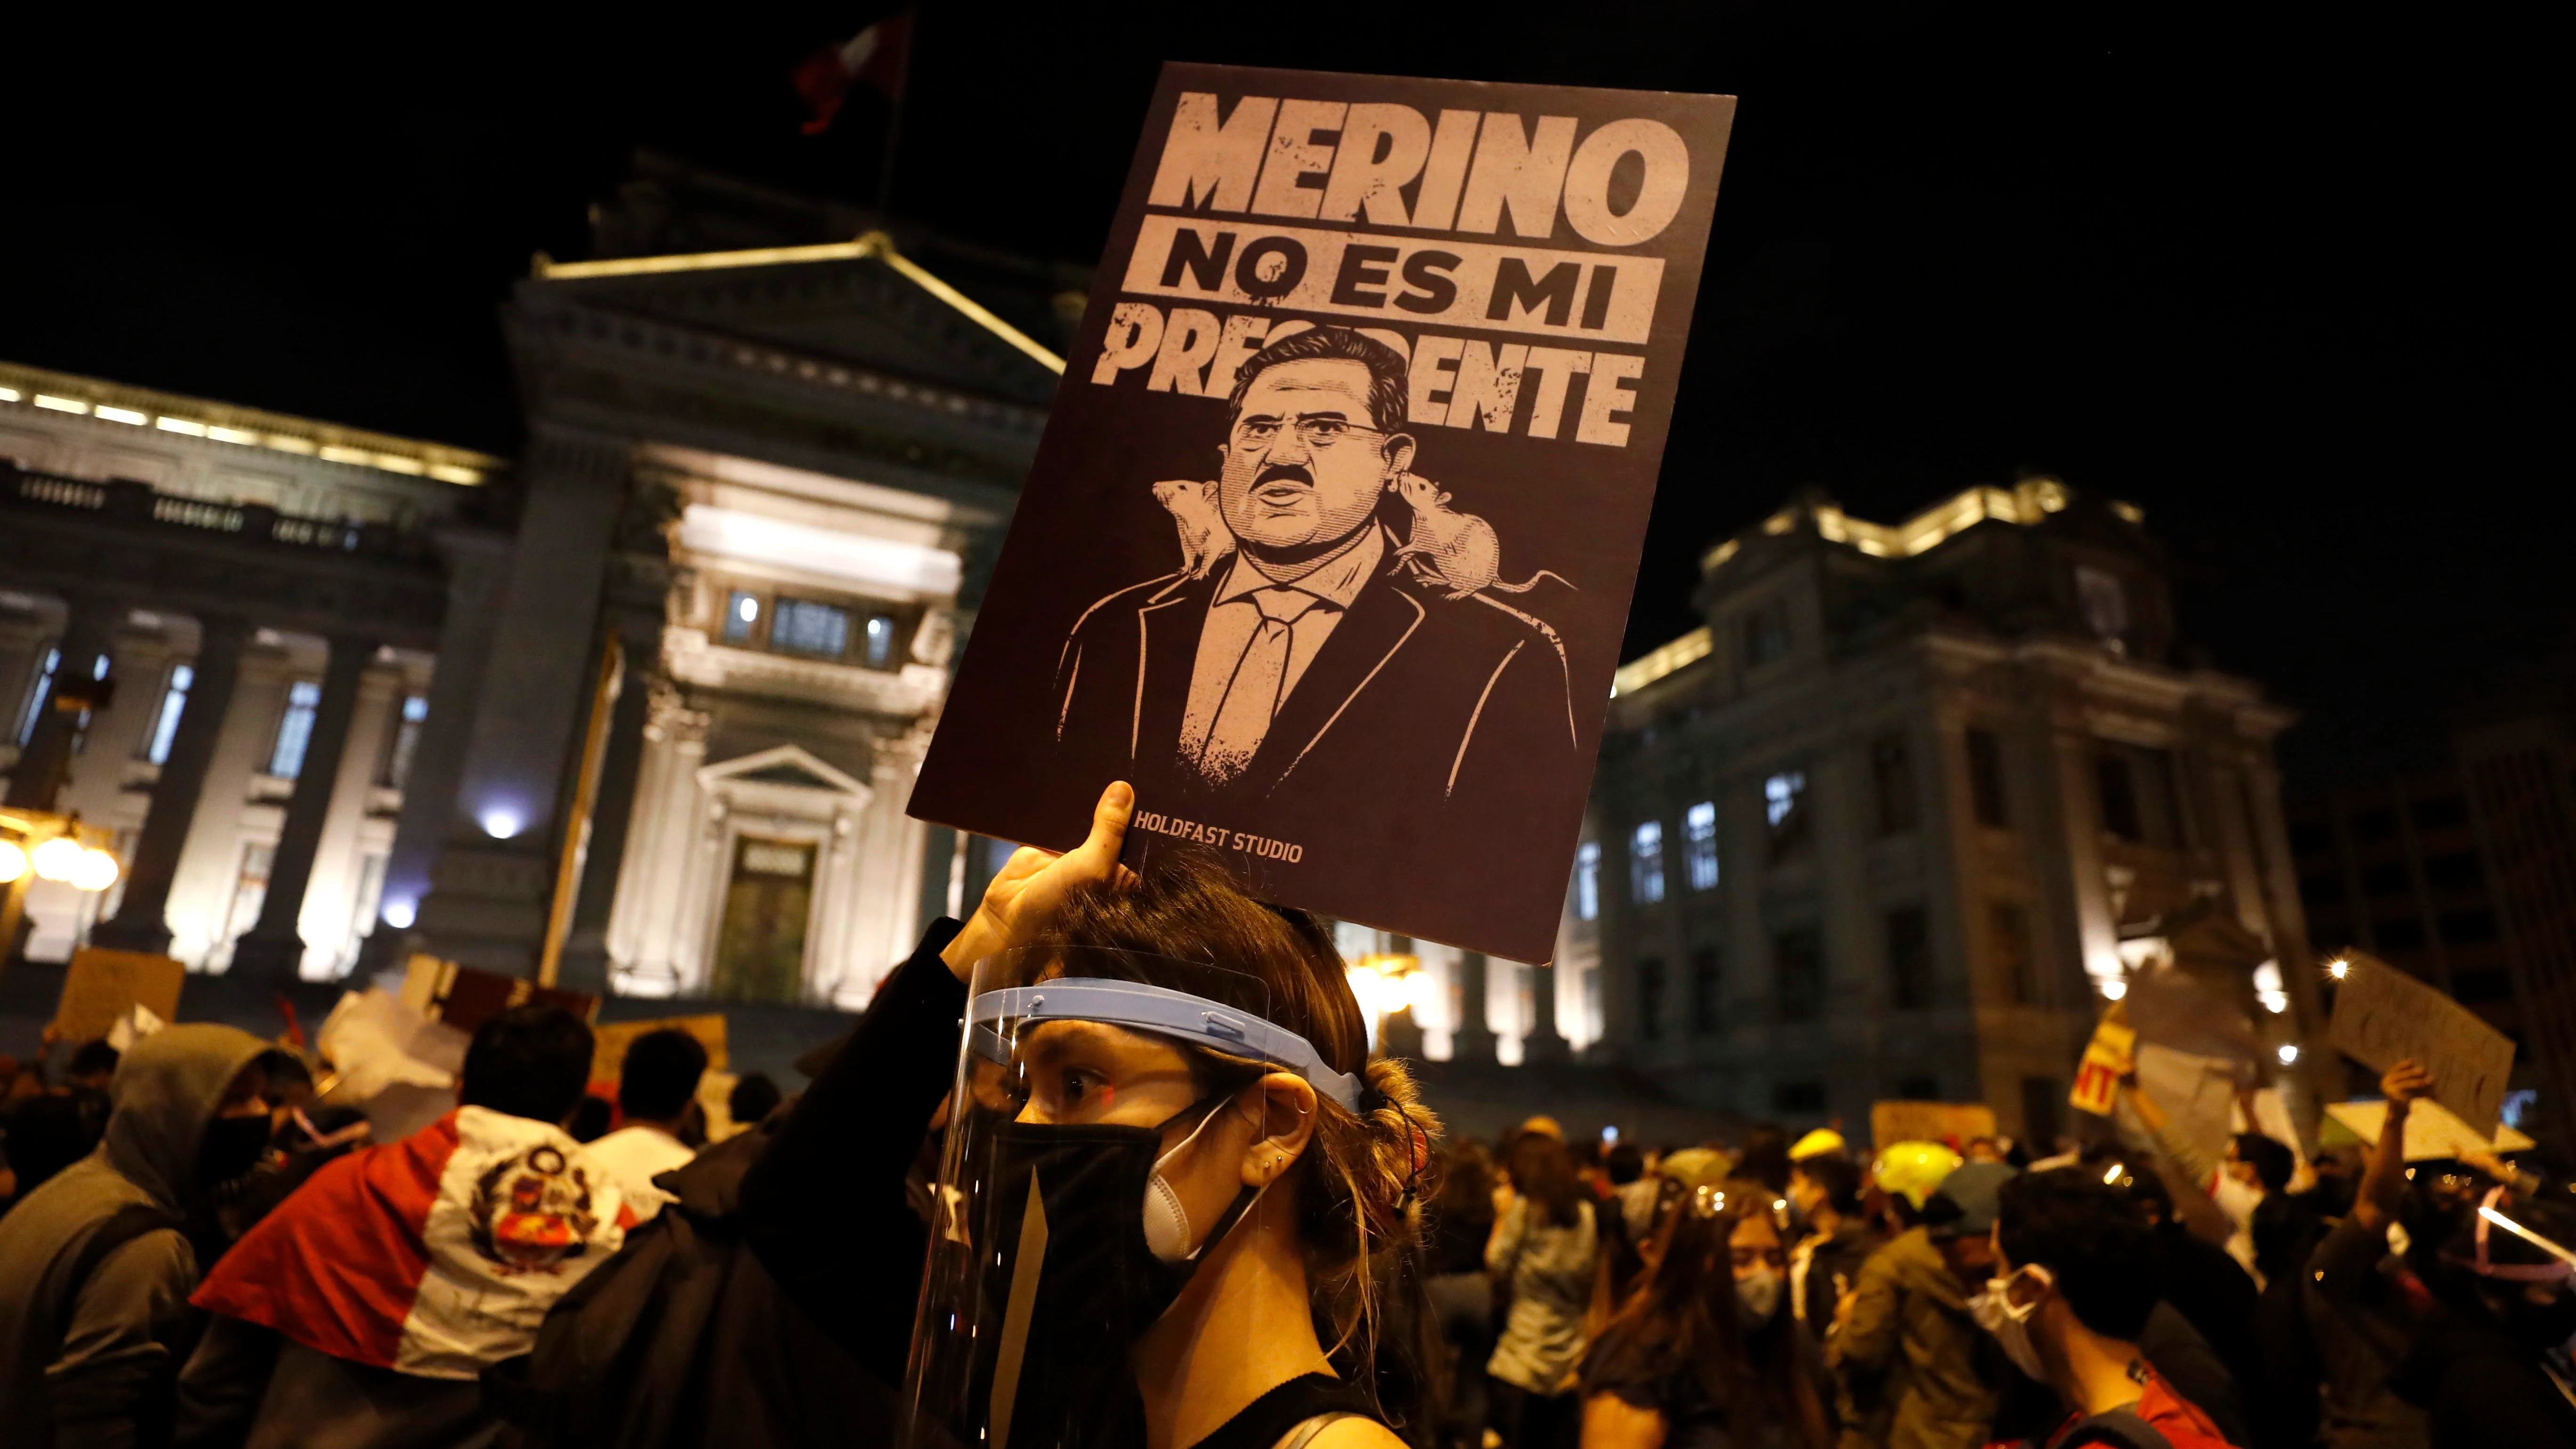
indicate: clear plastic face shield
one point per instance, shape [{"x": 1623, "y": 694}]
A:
[{"x": 1107, "y": 1133}]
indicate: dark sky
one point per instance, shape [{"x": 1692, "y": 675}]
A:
[{"x": 2279, "y": 282}]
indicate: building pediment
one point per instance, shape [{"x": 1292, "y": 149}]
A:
[
  {"x": 788, "y": 765},
  {"x": 857, "y": 311}
]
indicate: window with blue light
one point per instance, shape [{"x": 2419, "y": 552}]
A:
[
  {"x": 38, "y": 692},
  {"x": 165, "y": 725},
  {"x": 1646, "y": 862},
  {"x": 295, "y": 729},
  {"x": 1587, "y": 881},
  {"x": 1700, "y": 845},
  {"x": 801, "y": 626},
  {"x": 742, "y": 612},
  {"x": 880, "y": 641}
]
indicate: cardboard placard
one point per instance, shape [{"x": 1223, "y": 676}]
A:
[
  {"x": 1953, "y": 1122},
  {"x": 2431, "y": 1130},
  {"x": 2110, "y": 1054},
  {"x": 102, "y": 985},
  {"x": 465, "y": 997},
  {"x": 611, "y": 1039},
  {"x": 2383, "y": 1016},
  {"x": 1329, "y": 543}
]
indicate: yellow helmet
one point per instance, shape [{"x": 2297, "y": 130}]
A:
[
  {"x": 1816, "y": 1144},
  {"x": 1914, "y": 1170}
]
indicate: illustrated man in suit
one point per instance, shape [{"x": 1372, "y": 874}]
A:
[{"x": 1300, "y": 659}]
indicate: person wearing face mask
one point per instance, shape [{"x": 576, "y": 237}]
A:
[
  {"x": 2071, "y": 1295},
  {"x": 96, "y": 1265},
  {"x": 1173, "y": 1188},
  {"x": 1705, "y": 1354},
  {"x": 1902, "y": 1345}
]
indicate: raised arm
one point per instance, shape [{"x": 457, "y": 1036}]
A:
[{"x": 2383, "y": 1180}]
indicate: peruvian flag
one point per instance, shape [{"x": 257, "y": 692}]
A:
[
  {"x": 437, "y": 1255},
  {"x": 875, "y": 56}
]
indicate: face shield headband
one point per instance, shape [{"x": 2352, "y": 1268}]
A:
[{"x": 1160, "y": 1011}]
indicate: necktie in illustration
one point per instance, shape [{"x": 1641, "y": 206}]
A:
[{"x": 1260, "y": 681}]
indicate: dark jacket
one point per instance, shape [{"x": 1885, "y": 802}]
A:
[
  {"x": 685, "y": 1339},
  {"x": 824, "y": 1209},
  {"x": 92, "y": 1335},
  {"x": 2479, "y": 1388},
  {"x": 1436, "y": 712}
]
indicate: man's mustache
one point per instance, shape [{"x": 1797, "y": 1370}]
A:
[{"x": 1291, "y": 472}]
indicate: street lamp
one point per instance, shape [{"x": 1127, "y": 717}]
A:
[{"x": 40, "y": 845}]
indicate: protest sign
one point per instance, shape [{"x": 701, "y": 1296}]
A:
[
  {"x": 609, "y": 1041},
  {"x": 103, "y": 985},
  {"x": 1951, "y": 1122},
  {"x": 2107, "y": 1057},
  {"x": 2432, "y": 1132},
  {"x": 2383, "y": 1016},
  {"x": 1329, "y": 543},
  {"x": 465, "y": 997}
]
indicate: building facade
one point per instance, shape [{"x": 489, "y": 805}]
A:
[
  {"x": 1909, "y": 807},
  {"x": 643, "y": 707}
]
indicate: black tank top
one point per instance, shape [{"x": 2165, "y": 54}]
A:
[{"x": 1266, "y": 1420}]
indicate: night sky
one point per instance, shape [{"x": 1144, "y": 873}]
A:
[{"x": 2278, "y": 283}]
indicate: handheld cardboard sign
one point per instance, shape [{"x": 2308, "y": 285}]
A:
[{"x": 1329, "y": 544}]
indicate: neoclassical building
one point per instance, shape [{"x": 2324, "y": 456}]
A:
[
  {"x": 640, "y": 709},
  {"x": 1910, "y": 806}
]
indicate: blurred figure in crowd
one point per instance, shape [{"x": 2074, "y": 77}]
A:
[
  {"x": 1706, "y": 1355},
  {"x": 359, "y": 1313},
  {"x": 1545, "y": 1246},
  {"x": 1826, "y": 1262},
  {"x": 1462, "y": 1294},
  {"x": 753, "y": 1098},
  {"x": 591, "y": 1118},
  {"x": 2479, "y": 1367},
  {"x": 1903, "y": 1346},
  {"x": 97, "y": 1264},
  {"x": 2071, "y": 1293},
  {"x": 1765, "y": 1158},
  {"x": 2197, "y": 1280},
  {"x": 657, "y": 1089},
  {"x": 50, "y": 1129}
]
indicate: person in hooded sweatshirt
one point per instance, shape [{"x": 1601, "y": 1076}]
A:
[
  {"x": 360, "y": 1311},
  {"x": 96, "y": 1266}
]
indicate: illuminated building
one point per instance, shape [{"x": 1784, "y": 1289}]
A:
[
  {"x": 643, "y": 705},
  {"x": 1906, "y": 809}
]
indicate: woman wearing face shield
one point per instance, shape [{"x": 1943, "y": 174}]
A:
[
  {"x": 1172, "y": 1189},
  {"x": 1706, "y": 1354}
]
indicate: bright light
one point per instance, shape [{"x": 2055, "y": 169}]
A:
[
  {"x": 501, "y": 822},
  {"x": 748, "y": 609},
  {"x": 61, "y": 404},
  {"x": 189, "y": 426},
  {"x": 2275, "y": 1002},
  {"x": 95, "y": 872},
  {"x": 121, "y": 415},
  {"x": 2288, "y": 1054},
  {"x": 1366, "y": 985},
  {"x": 58, "y": 858},
  {"x": 2113, "y": 990},
  {"x": 13, "y": 861},
  {"x": 2112, "y": 1177},
  {"x": 2338, "y": 968},
  {"x": 1421, "y": 990},
  {"x": 400, "y": 914},
  {"x": 1610, "y": 1134}
]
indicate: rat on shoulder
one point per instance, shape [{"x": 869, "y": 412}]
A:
[
  {"x": 1453, "y": 548},
  {"x": 1204, "y": 536}
]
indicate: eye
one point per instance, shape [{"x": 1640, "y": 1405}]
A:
[
  {"x": 1327, "y": 429},
  {"x": 1254, "y": 431}
]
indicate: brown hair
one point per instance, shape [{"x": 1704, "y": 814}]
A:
[
  {"x": 1387, "y": 398},
  {"x": 1365, "y": 1175},
  {"x": 1681, "y": 1321},
  {"x": 1542, "y": 1170}
]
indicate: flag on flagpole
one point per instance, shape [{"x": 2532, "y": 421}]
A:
[{"x": 874, "y": 57}]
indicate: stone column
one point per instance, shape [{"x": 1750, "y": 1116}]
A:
[
  {"x": 612, "y": 810},
  {"x": 476, "y": 560},
  {"x": 1473, "y": 1040},
  {"x": 36, "y": 781},
  {"x": 274, "y": 948},
  {"x": 490, "y": 886},
  {"x": 139, "y": 923},
  {"x": 1544, "y": 1043}
]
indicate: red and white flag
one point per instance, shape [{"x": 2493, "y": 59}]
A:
[
  {"x": 437, "y": 1255},
  {"x": 875, "y": 56}
]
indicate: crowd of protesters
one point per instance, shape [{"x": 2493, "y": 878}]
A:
[{"x": 196, "y": 1249}]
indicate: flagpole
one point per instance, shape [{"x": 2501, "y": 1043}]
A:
[{"x": 894, "y": 120}]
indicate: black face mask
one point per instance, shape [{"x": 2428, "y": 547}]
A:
[
  {"x": 1100, "y": 1287},
  {"x": 232, "y": 1147}
]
